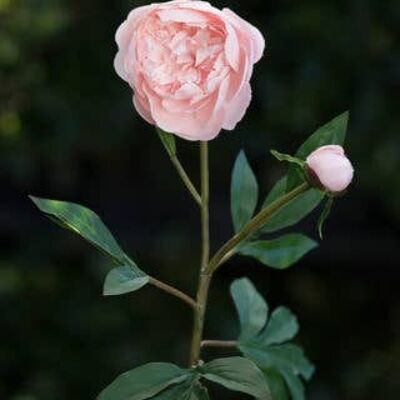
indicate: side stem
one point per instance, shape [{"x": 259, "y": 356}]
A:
[
  {"x": 185, "y": 179},
  {"x": 173, "y": 291},
  {"x": 228, "y": 249},
  {"x": 205, "y": 277},
  {"x": 219, "y": 343}
]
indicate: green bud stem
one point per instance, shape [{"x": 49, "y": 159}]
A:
[{"x": 228, "y": 249}]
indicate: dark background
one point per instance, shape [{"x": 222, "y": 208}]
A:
[{"x": 68, "y": 131}]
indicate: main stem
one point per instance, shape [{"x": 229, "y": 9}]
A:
[{"x": 205, "y": 277}]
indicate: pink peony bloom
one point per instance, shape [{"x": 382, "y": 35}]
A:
[
  {"x": 329, "y": 167},
  {"x": 189, "y": 65}
]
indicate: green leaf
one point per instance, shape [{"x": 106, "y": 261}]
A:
[
  {"x": 84, "y": 222},
  {"x": 244, "y": 192},
  {"x": 278, "y": 190},
  {"x": 124, "y": 279},
  {"x": 168, "y": 140},
  {"x": 200, "y": 393},
  {"x": 279, "y": 253},
  {"x": 287, "y": 158},
  {"x": 292, "y": 212},
  {"x": 324, "y": 215},
  {"x": 144, "y": 382},
  {"x": 295, "y": 385},
  {"x": 276, "y": 384},
  {"x": 282, "y": 326},
  {"x": 188, "y": 390},
  {"x": 281, "y": 363},
  {"x": 334, "y": 132},
  {"x": 238, "y": 374},
  {"x": 287, "y": 357},
  {"x": 251, "y": 307}
]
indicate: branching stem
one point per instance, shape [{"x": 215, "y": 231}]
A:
[
  {"x": 219, "y": 343},
  {"x": 228, "y": 249},
  {"x": 185, "y": 179},
  {"x": 174, "y": 292}
]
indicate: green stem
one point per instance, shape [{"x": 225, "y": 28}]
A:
[
  {"x": 219, "y": 343},
  {"x": 229, "y": 248},
  {"x": 185, "y": 179},
  {"x": 173, "y": 291},
  {"x": 205, "y": 277}
]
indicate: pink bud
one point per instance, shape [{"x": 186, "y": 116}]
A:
[{"x": 329, "y": 167}]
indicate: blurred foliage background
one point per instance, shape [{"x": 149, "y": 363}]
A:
[{"x": 68, "y": 131}]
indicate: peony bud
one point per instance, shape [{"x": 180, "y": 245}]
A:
[{"x": 329, "y": 168}]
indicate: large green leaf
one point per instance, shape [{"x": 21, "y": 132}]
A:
[
  {"x": 282, "y": 363},
  {"x": 238, "y": 374},
  {"x": 244, "y": 192},
  {"x": 144, "y": 382},
  {"x": 282, "y": 326},
  {"x": 295, "y": 385},
  {"x": 200, "y": 393},
  {"x": 292, "y": 212},
  {"x": 278, "y": 190},
  {"x": 251, "y": 307},
  {"x": 287, "y": 357},
  {"x": 334, "y": 132},
  {"x": 84, "y": 222},
  {"x": 190, "y": 389},
  {"x": 276, "y": 383},
  {"x": 124, "y": 279},
  {"x": 279, "y": 253}
]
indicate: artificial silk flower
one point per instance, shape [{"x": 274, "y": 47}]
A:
[{"x": 189, "y": 65}]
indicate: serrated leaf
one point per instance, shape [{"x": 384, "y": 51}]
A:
[
  {"x": 324, "y": 215},
  {"x": 84, "y": 222},
  {"x": 279, "y": 253},
  {"x": 282, "y": 327},
  {"x": 295, "y": 385},
  {"x": 124, "y": 279},
  {"x": 251, "y": 307},
  {"x": 276, "y": 384},
  {"x": 287, "y": 158},
  {"x": 334, "y": 132},
  {"x": 244, "y": 192},
  {"x": 237, "y": 374},
  {"x": 144, "y": 382},
  {"x": 287, "y": 357},
  {"x": 168, "y": 141},
  {"x": 292, "y": 212}
]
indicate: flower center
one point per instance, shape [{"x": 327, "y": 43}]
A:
[{"x": 182, "y": 61}]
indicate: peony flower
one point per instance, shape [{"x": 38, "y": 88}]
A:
[
  {"x": 329, "y": 168},
  {"x": 189, "y": 65}
]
